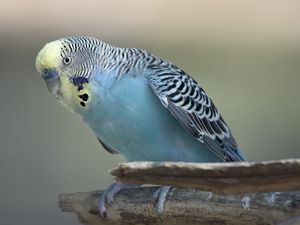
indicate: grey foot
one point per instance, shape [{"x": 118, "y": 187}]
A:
[
  {"x": 109, "y": 194},
  {"x": 160, "y": 198}
]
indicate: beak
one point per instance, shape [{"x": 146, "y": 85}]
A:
[{"x": 51, "y": 79}]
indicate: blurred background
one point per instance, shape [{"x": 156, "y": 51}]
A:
[{"x": 246, "y": 55}]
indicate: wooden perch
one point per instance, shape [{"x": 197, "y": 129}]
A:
[
  {"x": 220, "y": 178},
  {"x": 187, "y": 206}
]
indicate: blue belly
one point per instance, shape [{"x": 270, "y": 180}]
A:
[{"x": 129, "y": 118}]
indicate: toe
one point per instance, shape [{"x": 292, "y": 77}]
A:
[
  {"x": 109, "y": 194},
  {"x": 102, "y": 207},
  {"x": 160, "y": 197}
]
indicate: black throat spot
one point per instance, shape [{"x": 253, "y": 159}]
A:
[
  {"x": 80, "y": 87},
  {"x": 79, "y": 83},
  {"x": 84, "y": 97}
]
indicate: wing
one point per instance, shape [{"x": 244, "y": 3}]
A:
[
  {"x": 107, "y": 148},
  {"x": 196, "y": 112}
]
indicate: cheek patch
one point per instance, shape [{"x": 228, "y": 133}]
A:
[{"x": 77, "y": 81}]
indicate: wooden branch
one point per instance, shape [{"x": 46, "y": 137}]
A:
[
  {"x": 185, "y": 206},
  {"x": 220, "y": 178},
  {"x": 292, "y": 221}
]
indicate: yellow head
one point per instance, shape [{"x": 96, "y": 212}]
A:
[
  {"x": 50, "y": 56},
  {"x": 67, "y": 65}
]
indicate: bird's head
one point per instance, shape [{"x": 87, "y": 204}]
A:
[{"x": 67, "y": 65}]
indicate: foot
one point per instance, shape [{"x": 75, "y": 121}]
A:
[
  {"x": 109, "y": 194},
  {"x": 160, "y": 198}
]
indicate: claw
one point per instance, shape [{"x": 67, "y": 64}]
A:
[
  {"x": 109, "y": 194},
  {"x": 160, "y": 198}
]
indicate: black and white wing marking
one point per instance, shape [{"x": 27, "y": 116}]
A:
[
  {"x": 191, "y": 106},
  {"x": 107, "y": 148}
]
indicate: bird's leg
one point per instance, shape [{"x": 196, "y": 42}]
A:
[
  {"x": 160, "y": 198},
  {"x": 108, "y": 196}
]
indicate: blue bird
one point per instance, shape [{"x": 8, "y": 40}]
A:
[{"x": 138, "y": 105}]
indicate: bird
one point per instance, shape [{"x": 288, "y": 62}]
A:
[{"x": 138, "y": 105}]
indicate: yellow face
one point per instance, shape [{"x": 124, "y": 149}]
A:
[{"x": 53, "y": 67}]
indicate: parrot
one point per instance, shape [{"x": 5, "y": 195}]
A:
[{"x": 137, "y": 104}]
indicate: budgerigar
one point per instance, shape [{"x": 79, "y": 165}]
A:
[{"x": 138, "y": 105}]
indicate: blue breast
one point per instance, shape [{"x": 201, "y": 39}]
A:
[{"x": 128, "y": 117}]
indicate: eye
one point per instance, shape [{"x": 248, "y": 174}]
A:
[{"x": 67, "y": 60}]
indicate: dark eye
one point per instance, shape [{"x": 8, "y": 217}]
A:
[{"x": 67, "y": 60}]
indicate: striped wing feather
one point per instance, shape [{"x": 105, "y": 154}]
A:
[{"x": 191, "y": 106}]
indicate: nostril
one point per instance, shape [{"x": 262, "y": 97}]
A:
[{"x": 45, "y": 73}]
